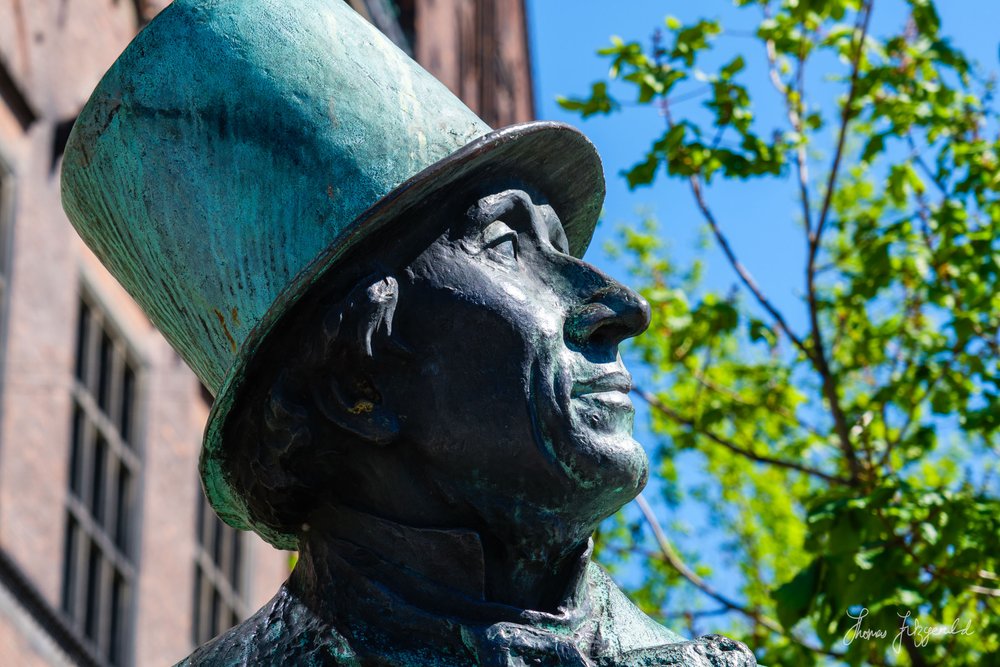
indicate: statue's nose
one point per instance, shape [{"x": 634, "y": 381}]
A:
[{"x": 610, "y": 314}]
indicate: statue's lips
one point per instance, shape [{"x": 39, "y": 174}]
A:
[{"x": 617, "y": 381}]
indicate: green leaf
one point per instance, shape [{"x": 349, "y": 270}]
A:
[
  {"x": 874, "y": 147},
  {"x": 642, "y": 173},
  {"x": 761, "y": 332},
  {"x": 599, "y": 102},
  {"x": 733, "y": 67},
  {"x": 795, "y": 598}
]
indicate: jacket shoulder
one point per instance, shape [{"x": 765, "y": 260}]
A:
[
  {"x": 282, "y": 632},
  {"x": 630, "y": 638},
  {"x": 622, "y": 625}
]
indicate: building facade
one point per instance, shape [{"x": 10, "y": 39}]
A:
[{"x": 109, "y": 554}]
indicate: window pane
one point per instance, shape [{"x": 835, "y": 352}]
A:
[
  {"x": 93, "y": 591},
  {"x": 236, "y": 569},
  {"x": 217, "y": 542},
  {"x": 123, "y": 502},
  {"x": 216, "y": 610},
  {"x": 76, "y": 453},
  {"x": 82, "y": 343},
  {"x": 70, "y": 558},
  {"x": 97, "y": 490},
  {"x": 196, "y": 635},
  {"x": 128, "y": 400},
  {"x": 105, "y": 362},
  {"x": 117, "y": 603}
]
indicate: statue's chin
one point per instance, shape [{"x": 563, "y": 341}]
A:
[
  {"x": 603, "y": 475},
  {"x": 621, "y": 473}
]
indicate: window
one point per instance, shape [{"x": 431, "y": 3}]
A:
[
  {"x": 219, "y": 575},
  {"x": 99, "y": 574}
]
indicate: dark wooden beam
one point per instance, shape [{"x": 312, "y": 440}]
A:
[
  {"x": 140, "y": 13},
  {"x": 13, "y": 97}
]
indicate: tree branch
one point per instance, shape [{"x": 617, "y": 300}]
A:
[
  {"x": 829, "y": 381},
  {"x": 845, "y": 119},
  {"x": 794, "y": 111},
  {"x": 674, "y": 560},
  {"x": 916, "y": 658},
  {"x": 918, "y": 159},
  {"x": 734, "y": 396},
  {"x": 741, "y": 270},
  {"x": 721, "y": 611},
  {"x": 675, "y": 416},
  {"x": 671, "y": 557}
]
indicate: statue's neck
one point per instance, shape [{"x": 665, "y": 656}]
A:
[{"x": 428, "y": 564}]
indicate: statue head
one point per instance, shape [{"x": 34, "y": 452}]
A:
[
  {"x": 469, "y": 376},
  {"x": 384, "y": 294}
]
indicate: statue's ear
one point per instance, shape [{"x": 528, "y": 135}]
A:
[{"x": 356, "y": 330}]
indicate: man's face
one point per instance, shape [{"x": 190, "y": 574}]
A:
[{"x": 517, "y": 401}]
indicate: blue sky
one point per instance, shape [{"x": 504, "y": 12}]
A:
[{"x": 759, "y": 218}]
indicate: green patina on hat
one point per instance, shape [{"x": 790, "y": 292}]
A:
[{"x": 239, "y": 148}]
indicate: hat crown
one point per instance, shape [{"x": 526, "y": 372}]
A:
[{"x": 231, "y": 143}]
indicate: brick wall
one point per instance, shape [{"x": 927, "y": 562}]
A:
[
  {"x": 52, "y": 53},
  {"x": 55, "y": 52}
]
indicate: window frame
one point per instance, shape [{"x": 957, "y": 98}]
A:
[
  {"x": 98, "y": 419},
  {"x": 209, "y": 577}
]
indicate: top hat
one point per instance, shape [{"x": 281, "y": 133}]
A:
[{"x": 238, "y": 149}]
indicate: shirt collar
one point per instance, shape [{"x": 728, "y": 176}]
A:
[{"x": 438, "y": 570}]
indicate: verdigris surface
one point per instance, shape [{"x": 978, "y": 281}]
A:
[{"x": 417, "y": 379}]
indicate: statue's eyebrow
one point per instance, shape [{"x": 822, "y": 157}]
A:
[
  {"x": 507, "y": 205},
  {"x": 517, "y": 207},
  {"x": 557, "y": 235}
]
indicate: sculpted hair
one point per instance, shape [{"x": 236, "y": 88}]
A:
[{"x": 291, "y": 440}]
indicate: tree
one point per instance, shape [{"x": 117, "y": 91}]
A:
[{"x": 851, "y": 459}]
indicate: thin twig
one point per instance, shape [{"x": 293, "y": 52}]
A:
[
  {"x": 687, "y": 615},
  {"x": 794, "y": 112},
  {"x": 671, "y": 557},
  {"x": 918, "y": 159},
  {"x": 675, "y": 416},
  {"x": 845, "y": 119},
  {"x": 741, "y": 270},
  {"x": 992, "y": 592},
  {"x": 741, "y": 400},
  {"x": 706, "y": 363},
  {"x": 683, "y": 97},
  {"x": 820, "y": 361},
  {"x": 674, "y": 560}
]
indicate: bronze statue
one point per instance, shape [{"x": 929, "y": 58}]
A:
[{"x": 417, "y": 379}]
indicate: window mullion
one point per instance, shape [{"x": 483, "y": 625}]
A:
[{"x": 100, "y": 577}]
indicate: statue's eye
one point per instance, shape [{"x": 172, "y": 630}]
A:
[{"x": 500, "y": 241}]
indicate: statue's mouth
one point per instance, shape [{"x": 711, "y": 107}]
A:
[{"x": 615, "y": 381}]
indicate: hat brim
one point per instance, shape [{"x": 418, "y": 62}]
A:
[{"x": 553, "y": 157}]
